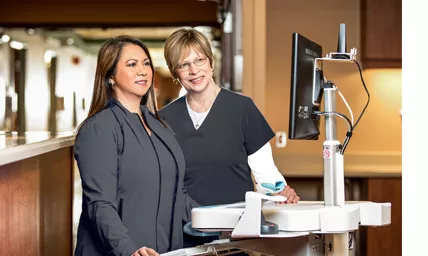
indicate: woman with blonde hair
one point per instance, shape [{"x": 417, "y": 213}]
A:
[
  {"x": 130, "y": 163},
  {"x": 223, "y": 135}
]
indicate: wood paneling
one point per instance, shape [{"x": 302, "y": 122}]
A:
[
  {"x": 385, "y": 240},
  {"x": 90, "y": 13},
  {"x": 381, "y": 33},
  {"x": 35, "y": 205},
  {"x": 254, "y": 51},
  {"x": 56, "y": 202},
  {"x": 19, "y": 208}
]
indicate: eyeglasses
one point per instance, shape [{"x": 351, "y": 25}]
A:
[{"x": 186, "y": 65}]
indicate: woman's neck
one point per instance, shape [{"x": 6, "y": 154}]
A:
[
  {"x": 132, "y": 105},
  {"x": 202, "y": 101}
]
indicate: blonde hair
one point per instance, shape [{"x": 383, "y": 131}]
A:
[{"x": 179, "y": 43}]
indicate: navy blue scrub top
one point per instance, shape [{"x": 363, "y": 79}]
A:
[{"x": 216, "y": 154}]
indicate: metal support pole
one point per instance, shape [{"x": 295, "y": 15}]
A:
[{"x": 334, "y": 180}]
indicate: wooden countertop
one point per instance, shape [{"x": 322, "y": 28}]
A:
[{"x": 16, "y": 146}]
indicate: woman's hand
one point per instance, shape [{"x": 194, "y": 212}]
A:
[
  {"x": 144, "y": 251},
  {"x": 290, "y": 194}
]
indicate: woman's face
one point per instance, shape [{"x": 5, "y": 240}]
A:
[
  {"x": 134, "y": 75},
  {"x": 194, "y": 72}
]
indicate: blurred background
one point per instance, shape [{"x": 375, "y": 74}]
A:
[
  {"x": 48, "y": 52},
  {"x": 48, "y": 56}
]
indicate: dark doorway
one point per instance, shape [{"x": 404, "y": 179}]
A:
[
  {"x": 51, "y": 68},
  {"x": 18, "y": 70}
]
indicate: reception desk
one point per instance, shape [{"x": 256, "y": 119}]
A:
[{"x": 36, "y": 191}]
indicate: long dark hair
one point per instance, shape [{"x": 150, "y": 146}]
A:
[{"x": 108, "y": 56}]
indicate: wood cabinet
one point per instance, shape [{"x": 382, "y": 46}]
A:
[
  {"x": 381, "y": 33},
  {"x": 89, "y": 13},
  {"x": 385, "y": 240},
  {"x": 36, "y": 206}
]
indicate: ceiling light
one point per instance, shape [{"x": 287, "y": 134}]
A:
[
  {"x": 70, "y": 41},
  {"x": 31, "y": 31},
  {"x": 16, "y": 45},
  {"x": 5, "y": 38},
  {"x": 48, "y": 56}
]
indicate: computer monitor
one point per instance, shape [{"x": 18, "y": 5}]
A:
[{"x": 303, "y": 124}]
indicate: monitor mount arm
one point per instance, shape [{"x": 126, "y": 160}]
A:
[{"x": 334, "y": 179}]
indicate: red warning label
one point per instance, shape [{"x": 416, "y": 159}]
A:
[{"x": 326, "y": 153}]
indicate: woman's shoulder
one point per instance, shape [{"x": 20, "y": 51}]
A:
[
  {"x": 173, "y": 107},
  {"x": 100, "y": 132},
  {"x": 236, "y": 98},
  {"x": 101, "y": 121}
]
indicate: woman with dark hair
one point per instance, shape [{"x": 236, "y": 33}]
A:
[{"x": 130, "y": 163}]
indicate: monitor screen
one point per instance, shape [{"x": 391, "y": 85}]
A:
[{"x": 303, "y": 124}]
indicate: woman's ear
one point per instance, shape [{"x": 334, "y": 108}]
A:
[
  {"x": 212, "y": 63},
  {"x": 174, "y": 78}
]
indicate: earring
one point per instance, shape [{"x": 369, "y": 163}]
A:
[{"x": 112, "y": 83}]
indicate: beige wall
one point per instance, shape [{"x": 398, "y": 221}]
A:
[
  {"x": 267, "y": 33},
  {"x": 379, "y": 131}
]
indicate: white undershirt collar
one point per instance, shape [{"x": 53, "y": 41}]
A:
[{"x": 196, "y": 117}]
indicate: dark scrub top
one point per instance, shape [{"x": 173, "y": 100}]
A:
[
  {"x": 217, "y": 170},
  {"x": 133, "y": 194}
]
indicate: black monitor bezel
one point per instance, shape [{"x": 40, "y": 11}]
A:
[{"x": 302, "y": 89}]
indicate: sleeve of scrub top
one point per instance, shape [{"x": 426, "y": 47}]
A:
[
  {"x": 189, "y": 204},
  {"x": 255, "y": 128},
  {"x": 97, "y": 156},
  {"x": 266, "y": 175}
]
